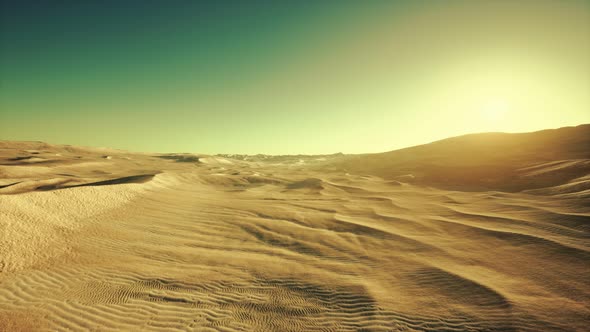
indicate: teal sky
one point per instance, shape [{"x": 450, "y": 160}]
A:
[{"x": 287, "y": 77}]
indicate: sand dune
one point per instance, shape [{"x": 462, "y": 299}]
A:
[
  {"x": 490, "y": 161},
  {"x": 106, "y": 240}
]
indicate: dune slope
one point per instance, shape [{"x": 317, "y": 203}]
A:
[{"x": 489, "y": 161}]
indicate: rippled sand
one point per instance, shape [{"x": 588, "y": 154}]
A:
[{"x": 105, "y": 240}]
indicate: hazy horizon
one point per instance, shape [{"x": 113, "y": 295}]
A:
[
  {"x": 229, "y": 77},
  {"x": 278, "y": 154}
]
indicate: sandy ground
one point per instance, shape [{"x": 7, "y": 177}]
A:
[{"x": 105, "y": 240}]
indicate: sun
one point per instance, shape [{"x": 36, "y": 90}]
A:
[{"x": 494, "y": 110}]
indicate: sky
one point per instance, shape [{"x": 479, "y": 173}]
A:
[{"x": 288, "y": 77}]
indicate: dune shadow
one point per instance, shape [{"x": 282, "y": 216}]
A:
[{"x": 122, "y": 180}]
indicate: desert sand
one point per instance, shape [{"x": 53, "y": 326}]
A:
[{"x": 485, "y": 232}]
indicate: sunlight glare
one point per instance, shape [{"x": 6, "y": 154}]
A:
[{"x": 494, "y": 110}]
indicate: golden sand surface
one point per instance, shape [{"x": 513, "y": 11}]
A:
[{"x": 107, "y": 240}]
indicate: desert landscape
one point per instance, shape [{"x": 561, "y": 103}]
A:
[
  {"x": 283, "y": 166},
  {"x": 483, "y": 232}
]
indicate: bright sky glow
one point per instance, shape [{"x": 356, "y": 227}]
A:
[{"x": 287, "y": 78}]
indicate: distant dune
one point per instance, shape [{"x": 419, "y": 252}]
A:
[
  {"x": 490, "y": 161},
  {"x": 483, "y": 232}
]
